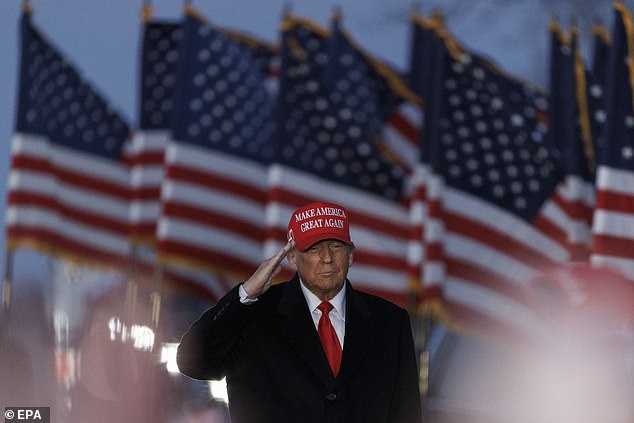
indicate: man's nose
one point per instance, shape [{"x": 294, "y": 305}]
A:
[{"x": 325, "y": 254}]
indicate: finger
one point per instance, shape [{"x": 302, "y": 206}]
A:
[{"x": 282, "y": 252}]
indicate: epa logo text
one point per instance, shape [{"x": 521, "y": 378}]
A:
[{"x": 27, "y": 414}]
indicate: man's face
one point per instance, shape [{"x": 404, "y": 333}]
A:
[{"x": 323, "y": 267}]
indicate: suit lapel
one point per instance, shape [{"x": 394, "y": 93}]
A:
[
  {"x": 359, "y": 334},
  {"x": 297, "y": 326}
]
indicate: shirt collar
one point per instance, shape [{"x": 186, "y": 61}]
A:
[{"x": 338, "y": 301}]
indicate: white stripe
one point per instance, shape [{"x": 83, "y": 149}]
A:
[
  {"x": 412, "y": 113},
  {"x": 434, "y": 273},
  {"x": 144, "y": 141},
  {"x": 415, "y": 252},
  {"x": 615, "y": 180},
  {"x": 580, "y": 232},
  {"x": 147, "y": 176},
  {"x": 144, "y": 211},
  {"x": 577, "y": 189},
  {"x": 613, "y": 223},
  {"x": 30, "y": 145}
]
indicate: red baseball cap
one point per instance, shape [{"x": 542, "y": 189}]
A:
[{"x": 317, "y": 221}]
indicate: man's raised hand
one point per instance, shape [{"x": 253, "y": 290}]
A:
[{"x": 261, "y": 280}]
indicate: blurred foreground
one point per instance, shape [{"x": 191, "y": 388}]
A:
[{"x": 96, "y": 355}]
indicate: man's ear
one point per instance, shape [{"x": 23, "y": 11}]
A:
[{"x": 292, "y": 259}]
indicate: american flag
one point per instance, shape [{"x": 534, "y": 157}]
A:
[
  {"x": 422, "y": 68},
  {"x": 570, "y": 138},
  {"x": 158, "y": 66},
  {"x": 327, "y": 151},
  {"x": 613, "y": 217},
  {"x": 68, "y": 184},
  {"x": 492, "y": 220},
  {"x": 159, "y": 61},
  {"x": 214, "y": 192}
]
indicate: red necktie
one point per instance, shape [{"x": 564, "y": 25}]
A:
[{"x": 328, "y": 337}]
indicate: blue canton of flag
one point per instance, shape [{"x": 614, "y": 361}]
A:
[
  {"x": 336, "y": 117},
  {"x": 491, "y": 138},
  {"x": 159, "y": 62},
  {"x": 68, "y": 183}
]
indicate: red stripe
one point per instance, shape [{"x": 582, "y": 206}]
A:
[
  {"x": 146, "y": 158},
  {"x": 146, "y": 193},
  {"x": 549, "y": 229},
  {"x": 21, "y": 198},
  {"x": 613, "y": 246},
  {"x": 211, "y": 218},
  {"x": 216, "y": 182},
  {"x": 434, "y": 251},
  {"x": 620, "y": 202},
  {"x": 404, "y": 126},
  {"x": 579, "y": 252},
  {"x": 575, "y": 209},
  {"x": 379, "y": 260},
  {"x": 141, "y": 230}
]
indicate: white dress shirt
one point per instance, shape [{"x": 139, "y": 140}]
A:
[{"x": 337, "y": 314}]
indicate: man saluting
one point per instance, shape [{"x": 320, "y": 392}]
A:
[{"x": 312, "y": 349}]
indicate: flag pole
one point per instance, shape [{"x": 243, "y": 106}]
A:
[{"x": 7, "y": 286}]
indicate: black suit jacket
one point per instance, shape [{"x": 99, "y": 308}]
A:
[{"x": 277, "y": 371}]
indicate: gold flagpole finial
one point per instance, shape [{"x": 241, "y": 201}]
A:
[
  {"x": 147, "y": 11},
  {"x": 26, "y": 7}
]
